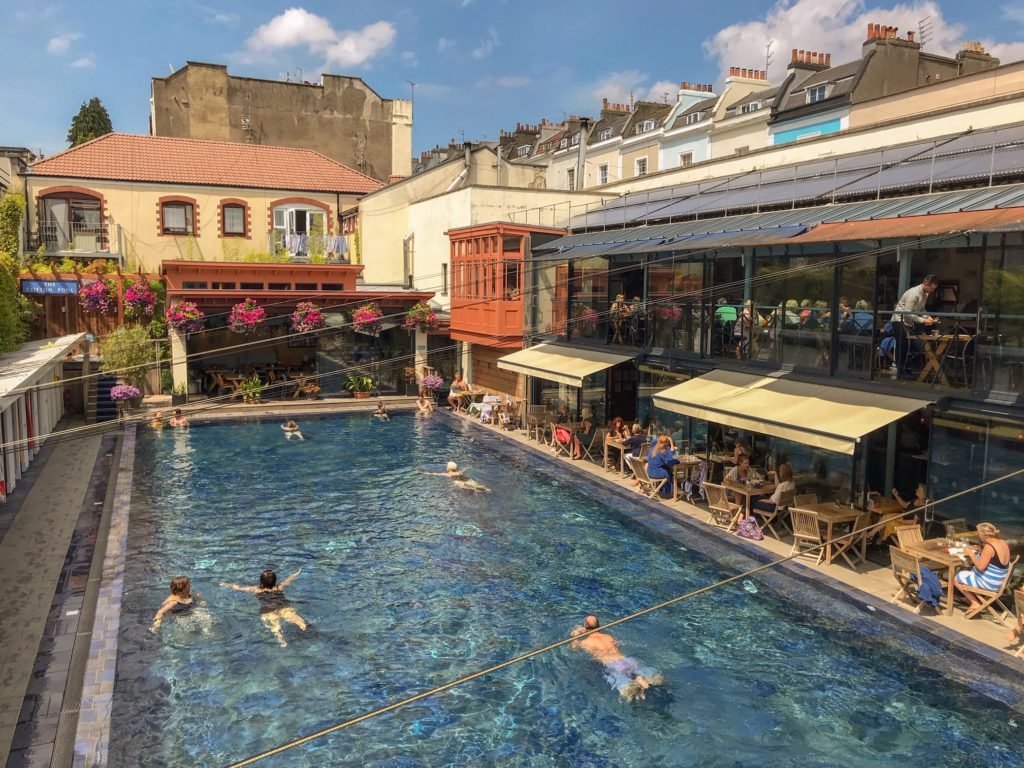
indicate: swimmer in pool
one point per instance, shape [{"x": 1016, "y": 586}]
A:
[
  {"x": 158, "y": 422},
  {"x": 381, "y": 412},
  {"x": 273, "y": 606},
  {"x": 291, "y": 429},
  {"x": 461, "y": 481},
  {"x": 181, "y": 600},
  {"x": 625, "y": 674},
  {"x": 178, "y": 419}
]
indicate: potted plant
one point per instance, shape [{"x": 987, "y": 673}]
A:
[
  {"x": 98, "y": 296},
  {"x": 368, "y": 319},
  {"x": 360, "y": 385},
  {"x": 432, "y": 383},
  {"x": 127, "y": 396},
  {"x": 185, "y": 317},
  {"x": 420, "y": 316},
  {"x": 139, "y": 300},
  {"x": 251, "y": 389},
  {"x": 307, "y": 317},
  {"x": 179, "y": 394},
  {"x": 246, "y": 317}
]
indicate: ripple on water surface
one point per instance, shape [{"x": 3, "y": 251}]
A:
[{"x": 409, "y": 582}]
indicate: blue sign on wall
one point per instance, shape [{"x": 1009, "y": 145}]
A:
[
  {"x": 50, "y": 287},
  {"x": 793, "y": 134}
]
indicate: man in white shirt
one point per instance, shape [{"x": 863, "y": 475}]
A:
[{"x": 908, "y": 314}]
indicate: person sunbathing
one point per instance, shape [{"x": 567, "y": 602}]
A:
[
  {"x": 625, "y": 674},
  {"x": 461, "y": 481},
  {"x": 291, "y": 429},
  {"x": 273, "y": 605}
]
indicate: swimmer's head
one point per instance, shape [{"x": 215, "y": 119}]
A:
[
  {"x": 291, "y": 424},
  {"x": 181, "y": 586},
  {"x": 591, "y": 622},
  {"x": 158, "y": 415},
  {"x": 268, "y": 579},
  {"x": 452, "y": 466},
  {"x": 177, "y": 412}
]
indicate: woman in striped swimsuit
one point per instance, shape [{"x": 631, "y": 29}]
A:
[{"x": 991, "y": 563}]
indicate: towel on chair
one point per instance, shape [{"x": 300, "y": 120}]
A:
[{"x": 930, "y": 589}]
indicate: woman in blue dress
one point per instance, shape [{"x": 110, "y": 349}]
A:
[{"x": 660, "y": 461}]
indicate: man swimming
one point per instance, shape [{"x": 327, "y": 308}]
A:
[
  {"x": 625, "y": 674},
  {"x": 461, "y": 481}
]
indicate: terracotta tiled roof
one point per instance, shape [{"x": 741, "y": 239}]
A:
[{"x": 130, "y": 157}]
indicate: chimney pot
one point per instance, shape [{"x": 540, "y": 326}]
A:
[
  {"x": 793, "y": 58},
  {"x": 876, "y": 31},
  {"x": 870, "y": 25},
  {"x": 910, "y": 37}
]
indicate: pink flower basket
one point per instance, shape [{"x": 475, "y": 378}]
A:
[
  {"x": 367, "y": 319},
  {"x": 246, "y": 317},
  {"x": 185, "y": 317},
  {"x": 420, "y": 316},
  {"x": 139, "y": 300},
  {"x": 307, "y": 317},
  {"x": 99, "y": 296}
]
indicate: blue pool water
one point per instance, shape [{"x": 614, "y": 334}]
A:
[{"x": 409, "y": 583}]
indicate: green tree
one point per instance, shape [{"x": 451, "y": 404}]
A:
[
  {"x": 128, "y": 352},
  {"x": 12, "y": 329},
  {"x": 12, "y": 210},
  {"x": 91, "y": 121}
]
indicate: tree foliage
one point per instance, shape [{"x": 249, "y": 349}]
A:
[
  {"x": 92, "y": 121},
  {"x": 12, "y": 210},
  {"x": 12, "y": 329},
  {"x": 128, "y": 352}
]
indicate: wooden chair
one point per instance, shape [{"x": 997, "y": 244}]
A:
[
  {"x": 777, "y": 516},
  {"x": 560, "y": 448},
  {"x": 649, "y": 486},
  {"x": 858, "y": 537},
  {"x": 1018, "y": 602},
  {"x": 802, "y": 499},
  {"x": 905, "y": 566},
  {"x": 989, "y": 597},
  {"x": 908, "y": 535},
  {"x": 806, "y": 533},
  {"x": 721, "y": 510},
  {"x": 593, "y": 450}
]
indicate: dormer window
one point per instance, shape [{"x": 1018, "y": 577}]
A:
[
  {"x": 817, "y": 93},
  {"x": 645, "y": 127},
  {"x": 751, "y": 107},
  {"x": 523, "y": 151},
  {"x": 575, "y": 140},
  {"x": 563, "y": 144},
  {"x": 605, "y": 134},
  {"x": 694, "y": 117}
]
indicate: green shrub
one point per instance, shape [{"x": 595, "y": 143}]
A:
[
  {"x": 12, "y": 326},
  {"x": 12, "y": 210},
  {"x": 129, "y": 352}
]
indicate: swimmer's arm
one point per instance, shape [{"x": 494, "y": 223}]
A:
[
  {"x": 168, "y": 604},
  {"x": 198, "y": 599},
  {"x": 575, "y": 644},
  {"x": 290, "y": 579},
  {"x": 239, "y": 587}
]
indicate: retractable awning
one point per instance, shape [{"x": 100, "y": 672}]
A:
[
  {"x": 812, "y": 414},
  {"x": 566, "y": 365}
]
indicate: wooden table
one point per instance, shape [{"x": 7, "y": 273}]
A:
[
  {"x": 619, "y": 446},
  {"x": 934, "y": 552},
  {"x": 748, "y": 492},
  {"x": 934, "y": 347},
  {"x": 683, "y": 471},
  {"x": 832, "y": 514}
]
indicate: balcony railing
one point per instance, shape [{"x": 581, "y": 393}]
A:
[{"x": 70, "y": 238}]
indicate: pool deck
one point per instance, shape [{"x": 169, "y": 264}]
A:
[{"x": 870, "y": 578}]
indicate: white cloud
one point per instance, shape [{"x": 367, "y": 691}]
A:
[
  {"x": 465, "y": 3},
  {"x": 225, "y": 18},
  {"x": 297, "y": 27},
  {"x": 61, "y": 43},
  {"x": 663, "y": 91},
  {"x": 487, "y": 45},
  {"x": 444, "y": 43},
  {"x": 512, "y": 81},
  {"x": 838, "y": 27},
  {"x": 633, "y": 84},
  {"x": 409, "y": 58},
  {"x": 434, "y": 91},
  {"x": 84, "y": 62}
]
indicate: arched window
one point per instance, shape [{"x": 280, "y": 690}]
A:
[
  {"x": 178, "y": 216},
  {"x": 234, "y": 218}
]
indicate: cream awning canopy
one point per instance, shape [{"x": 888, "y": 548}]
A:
[
  {"x": 566, "y": 365},
  {"x": 812, "y": 414}
]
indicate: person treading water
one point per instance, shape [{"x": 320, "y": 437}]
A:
[
  {"x": 625, "y": 674},
  {"x": 461, "y": 481},
  {"x": 292, "y": 429}
]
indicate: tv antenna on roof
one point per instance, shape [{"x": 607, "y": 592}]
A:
[
  {"x": 769, "y": 57},
  {"x": 925, "y": 30}
]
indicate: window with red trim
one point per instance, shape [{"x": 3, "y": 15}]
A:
[
  {"x": 177, "y": 218},
  {"x": 232, "y": 216}
]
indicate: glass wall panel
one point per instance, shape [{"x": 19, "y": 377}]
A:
[
  {"x": 628, "y": 318},
  {"x": 1000, "y": 359},
  {"x": 674, "y": 303},
  {"x": 551, "y": 307},
  {"x": 685, "y": 432},
  {"x": 588, "y": 299},
  {"x": 855, "y": 328},
  {"x": 723, "y": 304}
]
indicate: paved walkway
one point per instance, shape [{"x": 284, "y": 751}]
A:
[{"x": 32, "y": 554}]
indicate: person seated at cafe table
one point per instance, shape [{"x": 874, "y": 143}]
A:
[
  {"x": 563, "y": 416},
  {"x": 660, "y": 462},
  {"x": 741, "y": 472},
  {"x": 582, "y": 435},
  {"x": 907, "y": 318},
  {"x": 906, "y": 517},
  {"x": 784, "y": 491},
  {"x": 990, "y": 563},
  {"x": 740, "y": 449},
  {"x": 459, "y": 387}
]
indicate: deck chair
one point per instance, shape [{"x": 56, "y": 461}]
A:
[
  {"x": 775, "y": 517},
  {"x": 1018, "y": 601},
  {"x": 593, "y": 449},
  {"x": 805, "y": 498},
  {"x": 807, "y": 533},
  {"x": 721, "y": 511},
  {"x": 560, "y": 448},
  {"x": 908, "y": 535},
  {"x": 905, "y": 566},
  {"x": 989, "y": 597},
  {"x": 649, "y": 486},
  {"x": 857, "y": 538}
]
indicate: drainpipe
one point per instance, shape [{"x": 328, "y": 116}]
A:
[{"x": 581, "y": 161}]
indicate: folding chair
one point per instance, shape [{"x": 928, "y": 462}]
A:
[
  {"x": 594, "y": 448},
  {"x": 906, "y": 569},
  {"x": 777, "y": 516},
  {"x": 989, "y": 597},
  {"x": 908, "y": 535},
  {"x": 560, "y": 448},
  {"x": 721, "y": 510},
  {"x": 1018, "y": 601},
  {"x": 806, "y": 533},
  {"x": 857, "y": 538},
  {"x": 649, "y": 486}
]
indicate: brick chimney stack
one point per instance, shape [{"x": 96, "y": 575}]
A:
[
  {"x": 745, "y": 74},
  {"x": 972, "y": 57}
]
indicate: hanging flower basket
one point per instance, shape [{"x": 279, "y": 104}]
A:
[
  {"x": 139, "y": 300},
  {"x": 126, "y": 396},
  {"x": 432, "y": 383},
  {"x": 185, "y": 317},
  {"x": 246, "y": 317},
  {"x": 307, "y": 317},
  {"x": 367, "y": 319},
  {"x": 420, "y": 317},
  {"x": 99, "y": 296}
]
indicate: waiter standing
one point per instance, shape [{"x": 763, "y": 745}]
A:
[{"x": 908, "y": 317}]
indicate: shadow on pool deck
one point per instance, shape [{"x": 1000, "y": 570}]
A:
[{"x": 984, "y": 636}]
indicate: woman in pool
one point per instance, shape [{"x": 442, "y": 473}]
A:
[
  {"x": 291, "y": 429},
  {"x": 381, "y": 412},
  {"x": 181, "y": 600},
  {"x": 273, "y": 606},
  {"x": 461, "y": 481}
]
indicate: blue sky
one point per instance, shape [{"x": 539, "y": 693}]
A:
[{"x": 479, "y": 65}]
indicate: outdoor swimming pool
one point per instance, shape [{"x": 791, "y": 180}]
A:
[{"x": 410, "y": 583}]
